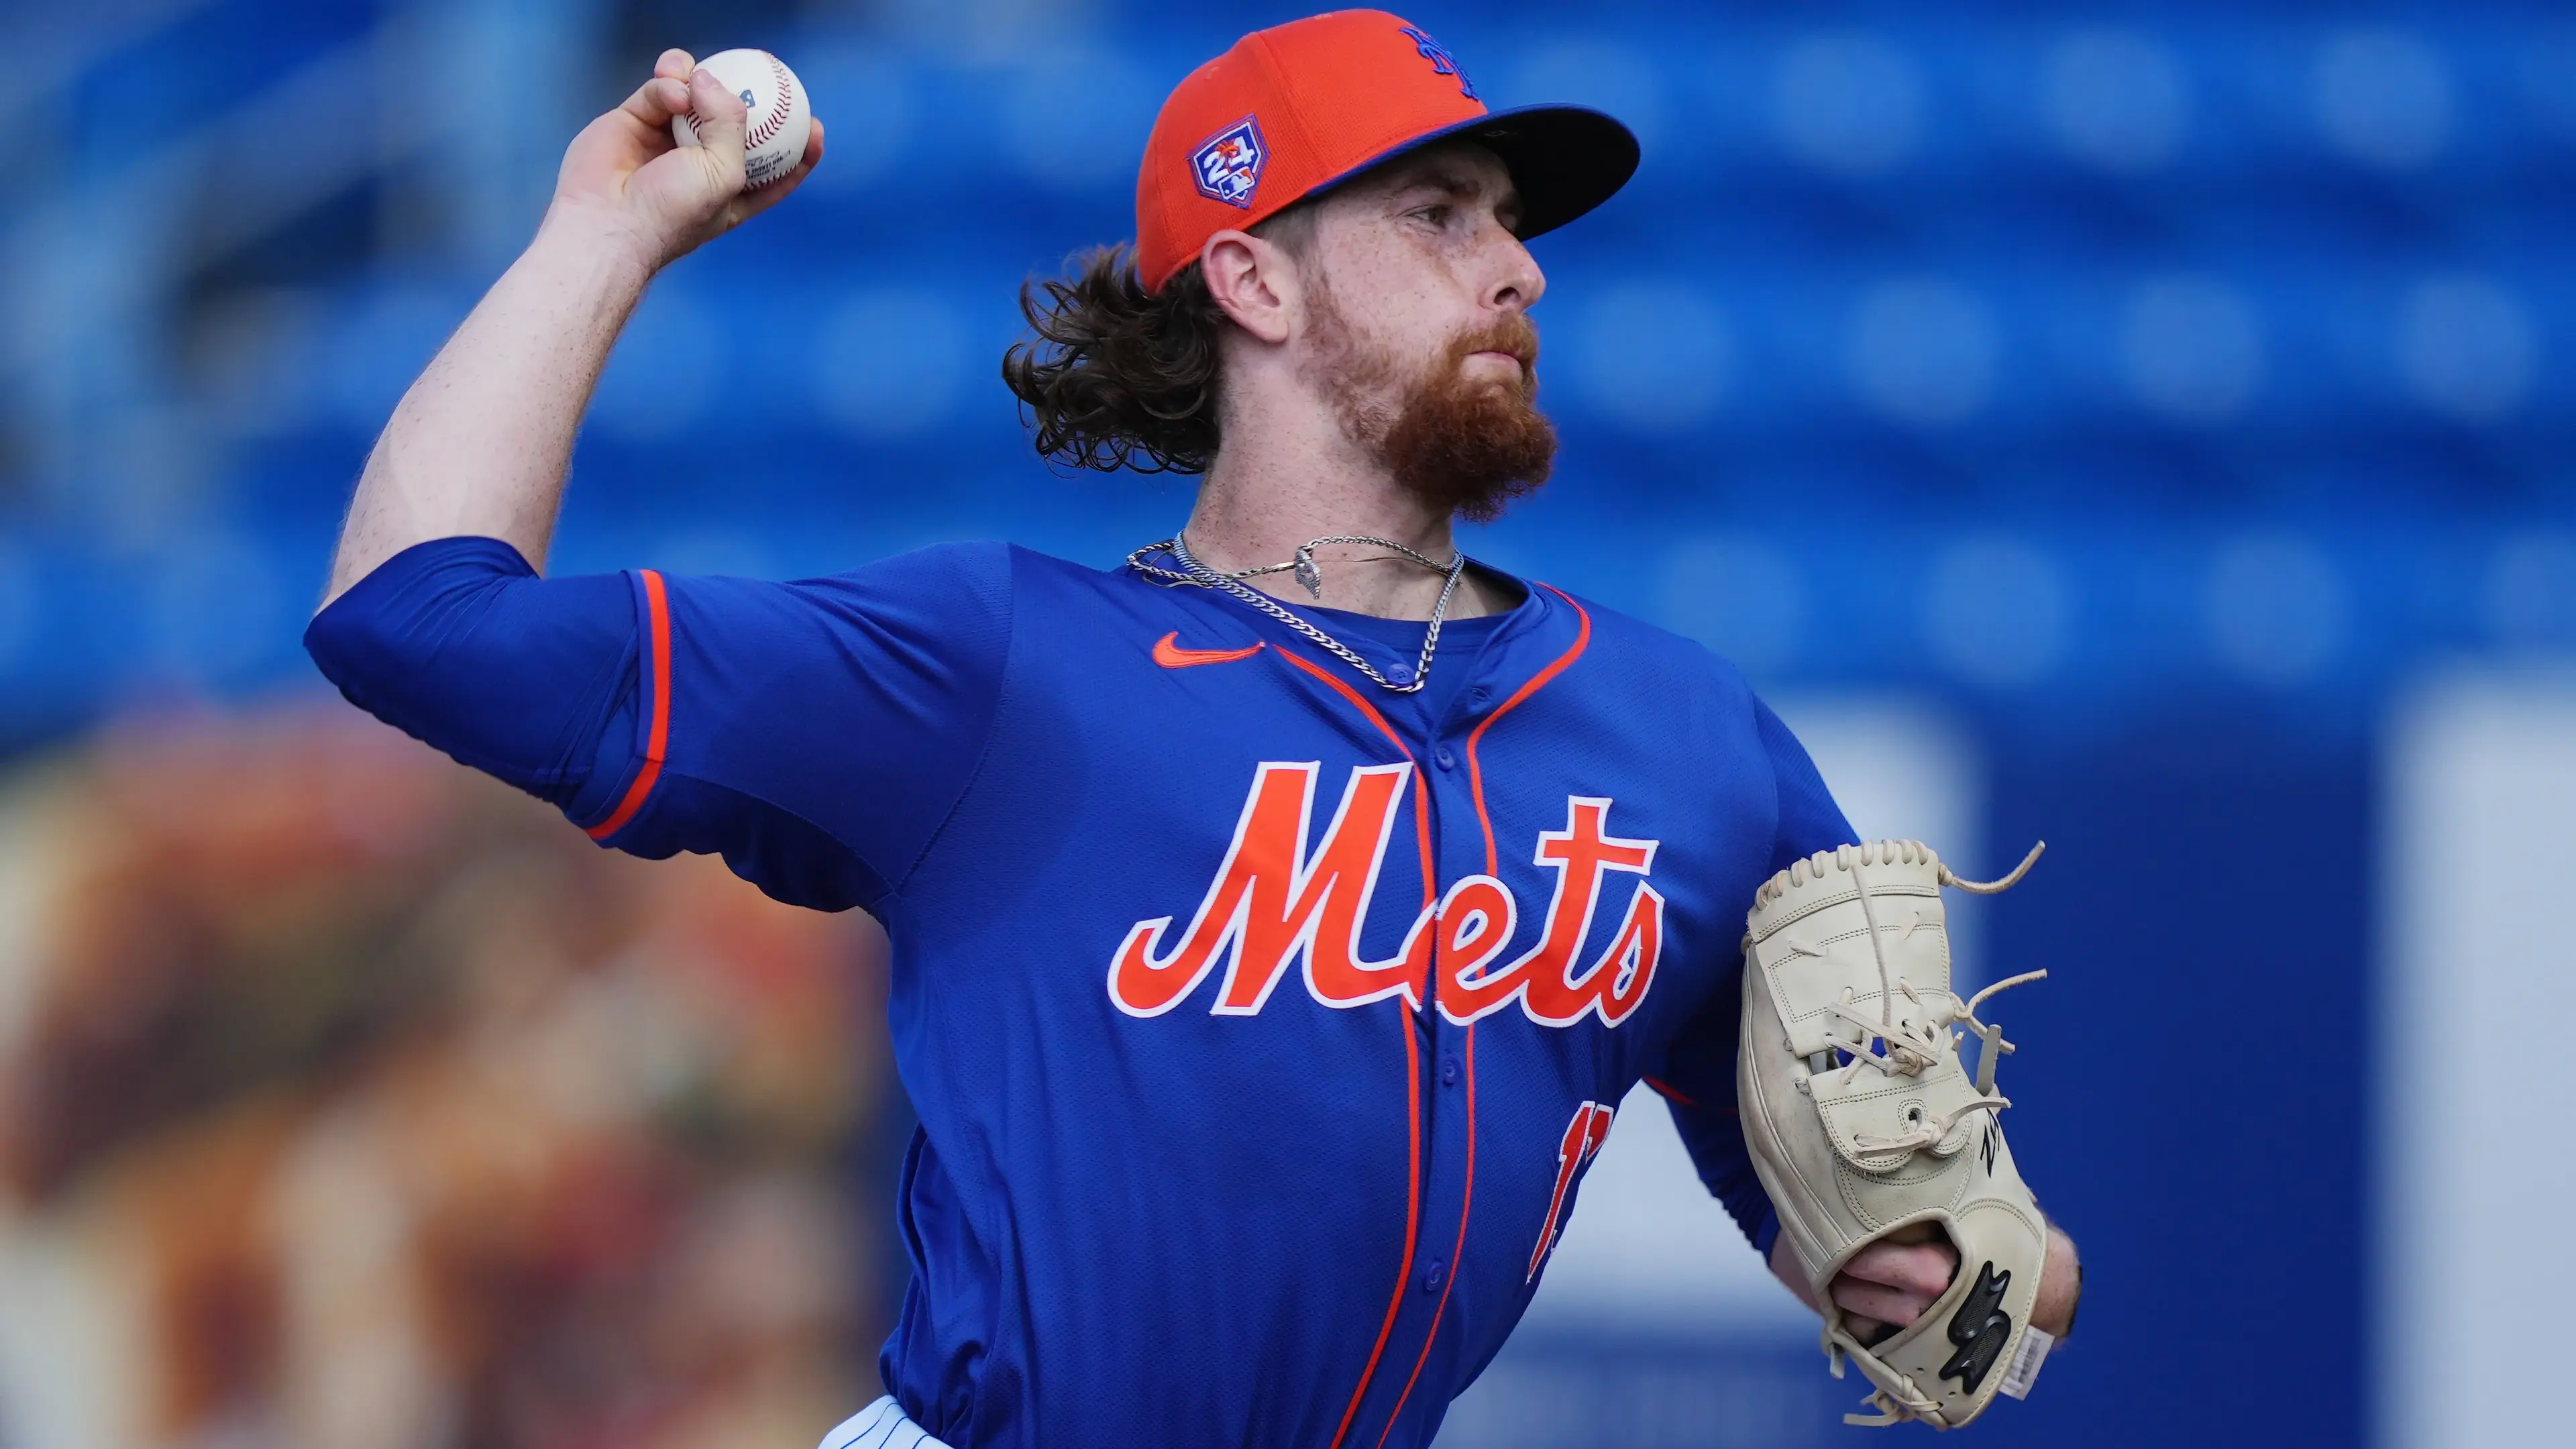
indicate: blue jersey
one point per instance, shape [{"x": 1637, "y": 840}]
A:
[{"x": 1261, "y": 1021}]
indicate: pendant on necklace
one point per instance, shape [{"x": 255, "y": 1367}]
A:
[{"x": 1309, "y": 575}]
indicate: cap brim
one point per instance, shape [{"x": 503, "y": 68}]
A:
[{"x": 1564, "y": 160}]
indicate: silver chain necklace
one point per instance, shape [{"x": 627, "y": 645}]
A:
[{"x": 1194, "y": 572}]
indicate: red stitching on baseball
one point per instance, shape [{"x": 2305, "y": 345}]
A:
[
  {"x": 768, "y": 127},
  {"x": 761, "y": 132}
]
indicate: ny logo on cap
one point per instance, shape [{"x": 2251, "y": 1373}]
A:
[
  {"x": 1228, "y": 164},
  {"x": 1442, "y": 62}
]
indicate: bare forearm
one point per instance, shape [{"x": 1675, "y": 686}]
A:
[
  {"x": 2061, "y": 1284},
  {"x": 481, "y": 442}
]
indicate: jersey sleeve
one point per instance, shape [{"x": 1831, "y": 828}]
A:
[
  {"x": 815, "y": 734},
  {"x": 1698, "y": 1076}
]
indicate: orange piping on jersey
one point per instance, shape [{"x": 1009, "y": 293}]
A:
[
  {"x": 1412, "y": 1060},
  {"x": 1169, "y": 653},
  {"x": 1466, "y": 1204},
  {"x": 1346, "y": 692},
  {"x": 1421, "y": 792},
  {"x": 1669, "y": 1091},
  {"x": 1538, "y": 681},
  {"x": 1430, "y": 892},
  {"x": 1476, "y": 782},
  {"x": 1412, "y": 1218},
  {"x": 657, "y": 608}
]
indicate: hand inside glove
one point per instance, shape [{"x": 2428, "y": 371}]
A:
[{"x": 1888, "y": 1284}]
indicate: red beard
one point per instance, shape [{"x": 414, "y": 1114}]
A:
[{"x": 1466, "y": 448}]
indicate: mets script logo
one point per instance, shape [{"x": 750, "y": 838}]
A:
[
  {"x": 1228, "y": 164},
  {"x": 1275, "y": 903},
  {"x": 1442, "y": 62}
]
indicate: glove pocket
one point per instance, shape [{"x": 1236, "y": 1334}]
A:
[{"x": 1951, "y": 1360}]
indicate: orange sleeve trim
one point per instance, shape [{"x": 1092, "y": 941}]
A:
[{"x": 657, "y": 741}]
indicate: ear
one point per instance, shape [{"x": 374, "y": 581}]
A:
[{"x": 1253, "y": 280}]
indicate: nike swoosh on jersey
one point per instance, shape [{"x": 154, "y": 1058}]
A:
[{"x": 1169, "y": 653}]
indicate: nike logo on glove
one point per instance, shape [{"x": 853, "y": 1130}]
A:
[{"x": 1169, "y": 653}]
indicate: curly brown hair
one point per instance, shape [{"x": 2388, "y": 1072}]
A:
[{"x": 1117, "y": 377}]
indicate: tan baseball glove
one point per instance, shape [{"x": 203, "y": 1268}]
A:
[{"x": 1864, "y": 1125}]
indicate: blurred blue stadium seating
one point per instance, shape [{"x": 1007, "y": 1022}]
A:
[
  {"x": 2158, "y": 385},
  {"x": 2054, "y": 362}
]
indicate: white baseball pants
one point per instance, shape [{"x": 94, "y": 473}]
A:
[{"x": 881, "y": 1425}]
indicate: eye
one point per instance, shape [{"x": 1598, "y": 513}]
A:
[{"x": 1437, "y": 213}]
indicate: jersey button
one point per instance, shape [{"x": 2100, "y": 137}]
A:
[
  {"x": 1433, "y": 1275},
  {"x": 1447, "y": 760},
  {"x": 1448, "y": 1071}
]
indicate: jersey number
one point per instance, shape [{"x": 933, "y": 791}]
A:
[{"x": 1583, "y": 1138}]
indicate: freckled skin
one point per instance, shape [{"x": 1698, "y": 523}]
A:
[
  {"x": 1404, "y": 261},
  {"x": 1427, "y": 252}
]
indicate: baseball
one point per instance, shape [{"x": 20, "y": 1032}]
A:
[{"x": 777, "y": 118}]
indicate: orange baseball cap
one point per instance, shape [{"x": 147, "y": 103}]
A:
[{"x": 1298, "y": 108}]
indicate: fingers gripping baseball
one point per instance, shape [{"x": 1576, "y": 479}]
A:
[
  {"x": 748, "y": 203},
  {"x": 721, "y": 122},
  {"x": 666, "y": 199}
]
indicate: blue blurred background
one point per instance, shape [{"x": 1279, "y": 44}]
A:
[{"x": 2155, "y": 395}]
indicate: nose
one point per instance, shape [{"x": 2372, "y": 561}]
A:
[{"x": 1518, "y": 283}]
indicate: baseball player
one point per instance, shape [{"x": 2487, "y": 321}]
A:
[{"x": 1279, "y": 917}]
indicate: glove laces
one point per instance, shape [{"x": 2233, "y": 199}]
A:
[{"x": 1900, "y": 1048}]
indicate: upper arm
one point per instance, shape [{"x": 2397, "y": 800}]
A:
[
  {"x": 814, "y": 734},
  {"x": 1809, "y": 820},
  {"x": 458, "y": 642},
  {"x": 1698, "y": 1071},
  {"x": 853, "y": 709}
]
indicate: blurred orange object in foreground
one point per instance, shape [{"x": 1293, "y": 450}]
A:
[{"x": 350, "y": 1099}]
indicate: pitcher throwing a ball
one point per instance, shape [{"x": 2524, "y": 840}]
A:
[{"x": 1278, "y": 917}]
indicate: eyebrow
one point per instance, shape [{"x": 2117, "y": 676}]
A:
[{"x": 1462, "y": 185}]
